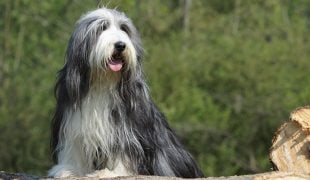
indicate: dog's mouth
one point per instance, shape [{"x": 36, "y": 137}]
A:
[{"x": 116, "y": 62}]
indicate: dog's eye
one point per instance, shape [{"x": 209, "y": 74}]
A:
[
  {"x": 125, "y": 28},
  {"x": 103, "y": 27}
]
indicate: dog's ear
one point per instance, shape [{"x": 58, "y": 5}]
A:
[
  {"x": 136, "y": 40},
  {"x": 138, "y": 46},
  {"x": 77, "y": 68}
]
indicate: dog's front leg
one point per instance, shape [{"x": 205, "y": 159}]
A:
[
  {"x": 61, "y": 171},
  {"x": 70, "y": 163}
]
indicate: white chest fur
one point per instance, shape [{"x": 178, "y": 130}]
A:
[{"x": 89, "y": 134}]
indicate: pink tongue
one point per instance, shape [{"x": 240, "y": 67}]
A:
[{"x": 115, "y": 65}]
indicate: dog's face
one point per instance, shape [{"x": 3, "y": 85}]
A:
[{"x": 105, "y": 40}]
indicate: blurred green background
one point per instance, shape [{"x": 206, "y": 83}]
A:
[{"x": 225, "y": 73}]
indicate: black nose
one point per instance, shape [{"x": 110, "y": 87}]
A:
[{"x": 120, "y": 46}]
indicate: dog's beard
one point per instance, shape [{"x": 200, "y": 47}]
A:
[
  {"x": 115, "y": 70},
  {"x": 114, "y": 67}
]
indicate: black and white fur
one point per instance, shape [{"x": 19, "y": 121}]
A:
[{"x": 105, "y": 123}]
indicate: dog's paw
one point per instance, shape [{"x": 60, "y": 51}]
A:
[
  {"x": 60, "y": 171},
  {"x": 105, "y": 173}
]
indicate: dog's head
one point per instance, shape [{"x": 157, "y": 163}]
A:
[{"x": 104, "y": 40}]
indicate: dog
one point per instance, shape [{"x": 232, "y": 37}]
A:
[{"x": 105, "y": 123}]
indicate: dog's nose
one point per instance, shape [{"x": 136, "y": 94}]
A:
[{"x": 120, "y": 46}]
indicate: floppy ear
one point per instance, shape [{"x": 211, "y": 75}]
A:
[
  {"x": 134, "y": 35},
  {"x": 76, "y": 70}
]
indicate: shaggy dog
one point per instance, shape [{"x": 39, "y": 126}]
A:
[{"x": 106, "y": 124}]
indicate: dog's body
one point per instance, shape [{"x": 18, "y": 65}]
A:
[{"x": 105, "y": 119}]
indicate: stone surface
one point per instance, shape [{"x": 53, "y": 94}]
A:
[{"x": 264, "y": 176}]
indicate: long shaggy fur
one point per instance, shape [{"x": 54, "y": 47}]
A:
[{"x": 105, "y": 120}]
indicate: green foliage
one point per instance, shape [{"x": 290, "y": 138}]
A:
[{"x": 225, "y": 81}]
